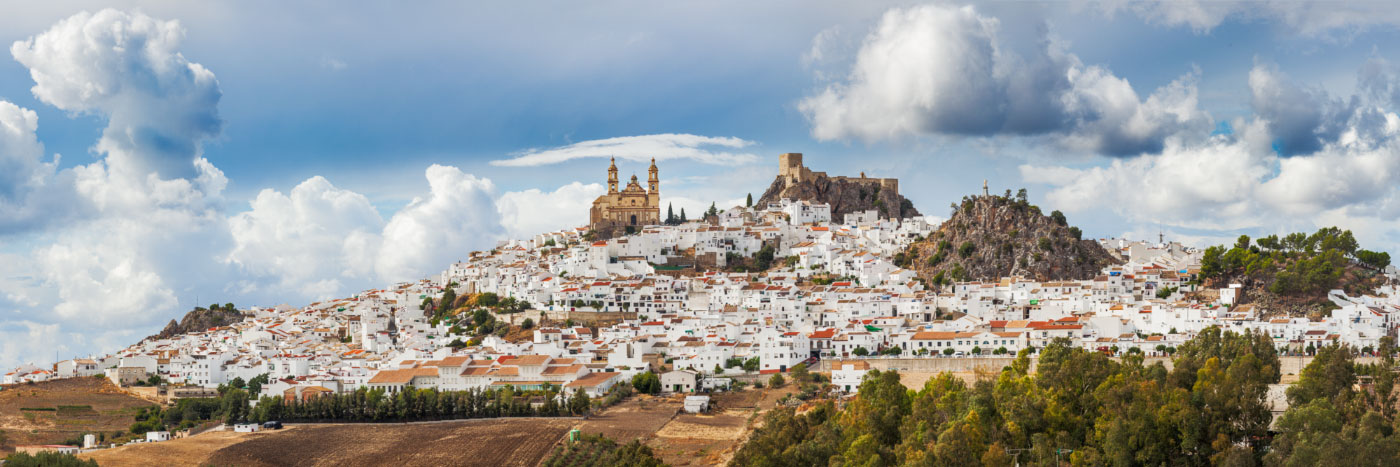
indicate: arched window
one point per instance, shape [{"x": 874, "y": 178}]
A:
[{"x": 634, "y": 219}]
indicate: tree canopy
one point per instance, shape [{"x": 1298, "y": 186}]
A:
[{"x": 1079, "y": 406}]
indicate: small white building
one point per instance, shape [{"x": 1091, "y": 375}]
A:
[
  {"x": 157, "y": 436},
  {"x": 679, "y": 381},
  {"x": 246, "y": 428},
  {"x": 849, "y": 375},
  {"x": 697, "y": 404}
]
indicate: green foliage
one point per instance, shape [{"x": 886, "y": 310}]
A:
[
  {"x": 1319, "y": 273},
  {"x": 966, "y": 249},
  {"x": 860, "y": 352},
  {"x": 776, "y": 381},
  {"x": 255, "y": 385},
  {"x": 47, "y": 459},
  {"x": 957, "y": 274},
  {"x": 1294, "y": 264},
  {"x": 1076, "y": 233},
  {"x": 600, "y": 451},
  {"x": 764, "y": 258},
  {"x": 751, "y": 364},
  {"x": 527, "y": 324},
  {"x": 408, "y": 404},
  {"x": 1079, "y": 407},
  {"x": 1329, "y": 422},
  {"x": 1059, "y": 217},
  {"x": 1378, "y": 260},
  {"x": 1165, "y": 292},
  {"x": 647, "y": 383},
  {"x": 1044, "y": 244},
  {"x": 579, "y": 402}
]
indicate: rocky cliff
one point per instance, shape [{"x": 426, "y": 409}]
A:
[
  {"x": 844, "y": 195},
  {"x": 989, "y": 237},
  {"x": 201, "y": 319}
]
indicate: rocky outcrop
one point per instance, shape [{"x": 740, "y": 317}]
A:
[
  {"x": 201, "y": 319},
  {"x": 990, "y": 237},
  {"x": 844, "y": 195}
]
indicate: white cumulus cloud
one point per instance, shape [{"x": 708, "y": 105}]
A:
[
  {"x": 456, "y": 218},
  {"x": 944, "y": 70},
  {"x": 306, "y": 242},
  {"x": 1343, "y": 170},
  {"x": 530, "y": 212},
  {"x": 126, "y": 67}
]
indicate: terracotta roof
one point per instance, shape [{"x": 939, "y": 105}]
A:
[
  {"x": 400, "y": 376},
  {"x": 592, "y": 380}
]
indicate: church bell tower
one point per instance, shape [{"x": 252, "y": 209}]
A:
[
  {"x": 653, "y": 184},
  {"x": 612, "y": 177}
]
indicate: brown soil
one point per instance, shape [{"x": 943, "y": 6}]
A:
[
  {"x": 112, "y": 410},
  {"x": 191, "y": 451},
  {"x": 701, "y": 439},
  {"x": 494, "y": 442},
  {"x": 636, "y": 418}
]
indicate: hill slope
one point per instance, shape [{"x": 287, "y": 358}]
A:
[
  {"x": 201, "y": 319},
  {"x": 844, "y": 195},
  {"x": 989, "y": 237},
  {"x": 1293, "y": 274}
]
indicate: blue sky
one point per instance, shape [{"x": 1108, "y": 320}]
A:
[{"x": 293, "y": 167}]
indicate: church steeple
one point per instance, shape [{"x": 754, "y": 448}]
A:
[
  {"x": 654, "y": 184},
  {"x": 612, "y": 176}
]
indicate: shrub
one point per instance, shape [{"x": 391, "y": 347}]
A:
[{"x": 966, "y": 249}]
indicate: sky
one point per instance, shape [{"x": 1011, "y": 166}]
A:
[{"x": 161, "y": 155}]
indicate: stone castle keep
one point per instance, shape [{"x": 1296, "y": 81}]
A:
[
  {"x": 626, "y": 211},
  {"x": 792, "y": 172}
]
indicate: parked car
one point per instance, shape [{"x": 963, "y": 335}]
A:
[{"x": 272, "y": 425}]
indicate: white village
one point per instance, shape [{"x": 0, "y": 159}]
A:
[{"x": 832, "y": 298}]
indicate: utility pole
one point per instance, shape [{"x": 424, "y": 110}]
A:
[{"x": 1016, "y": 455}]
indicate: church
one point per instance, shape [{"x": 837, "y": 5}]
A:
[{"x": 626, "y": 211}]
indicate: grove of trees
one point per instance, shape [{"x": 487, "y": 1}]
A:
[
  {"x": 1079, "y": 407},
  {"x": 1296, "y": 263}
]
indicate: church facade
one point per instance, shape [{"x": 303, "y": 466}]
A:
[{"x": 624, "y": 211}]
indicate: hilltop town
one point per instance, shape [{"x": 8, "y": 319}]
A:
[{"x": 750, "y": 290}]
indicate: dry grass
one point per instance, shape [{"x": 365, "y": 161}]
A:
[
  {"x": 190, "y": 451},
  {"x": 111, "y": 410}
]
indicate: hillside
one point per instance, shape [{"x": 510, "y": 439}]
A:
[
  {"x": 1293, "y": 274},
  {"x": 201, "y": 319},
  {"x": 989, "y": 237},
  {"x": 63, "y": 410}
]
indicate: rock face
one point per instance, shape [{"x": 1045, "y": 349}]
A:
[
  {"x": 199, "y": 320},
  {"x": 990, "y": 237},
  {"x": 845, "y": 195}
]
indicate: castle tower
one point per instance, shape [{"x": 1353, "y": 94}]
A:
[
  {"x": 612, "y": 177},
  {"x": 653, "y": 184}
]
